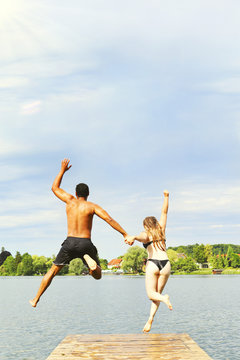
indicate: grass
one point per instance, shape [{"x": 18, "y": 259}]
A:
[
  {"x": 231, "y": 271},
  {"x": 202, "y": 272},
  {"x": 228, "y": 271}
]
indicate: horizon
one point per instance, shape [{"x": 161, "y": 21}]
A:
[{"x": 104, "y": 258}]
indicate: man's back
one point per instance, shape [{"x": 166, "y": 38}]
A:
[{"x": 79, "y": 217}]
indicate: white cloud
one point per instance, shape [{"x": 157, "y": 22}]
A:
[
  {"x": 10, "y": 147},
  {"x": 31, "y": 108},
  {"x": 208, "y": 198},
  {"x": 36, "y": 219},
  {"x": 13, "y": 82},
  {"x": 227, "y": 226},
  {"x": 225, "y": 86}
]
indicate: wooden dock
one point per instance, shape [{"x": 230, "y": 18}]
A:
[{"x": 129, "y": 347}]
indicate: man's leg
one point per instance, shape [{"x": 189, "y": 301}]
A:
[
  {"x": 46, "y": 281},
  {"x": 94, "y": 269}
]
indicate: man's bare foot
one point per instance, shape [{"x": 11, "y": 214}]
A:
[
  {"x": 91, "y": 263},
  {"x": 148, "y": 326},
  {"x": 167, "y": 301},
  {"x": 33, "y": 302}
]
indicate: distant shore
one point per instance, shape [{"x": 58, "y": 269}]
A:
[{"x": 228, "y": 271}]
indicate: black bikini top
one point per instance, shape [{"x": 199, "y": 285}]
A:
[{"x": 147, "y": 244}]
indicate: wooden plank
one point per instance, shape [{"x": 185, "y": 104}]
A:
[{"x": 129, "y": 347}]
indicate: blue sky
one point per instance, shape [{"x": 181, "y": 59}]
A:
[{"x": 142, "y": 96}]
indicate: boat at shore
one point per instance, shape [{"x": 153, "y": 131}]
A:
[{"x": 217, "y": 271}]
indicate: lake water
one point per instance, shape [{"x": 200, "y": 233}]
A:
[{"x": 205, "y": 307}]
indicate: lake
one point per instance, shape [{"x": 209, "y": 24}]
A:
[{"x": 205, "y": 307}]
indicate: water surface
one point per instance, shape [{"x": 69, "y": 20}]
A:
[{"x": 205, "y": 307}]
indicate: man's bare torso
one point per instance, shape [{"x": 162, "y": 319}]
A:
[{"x": 79, "y": 217}]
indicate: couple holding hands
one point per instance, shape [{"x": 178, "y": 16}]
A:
[{"x": 78, "y": 243}]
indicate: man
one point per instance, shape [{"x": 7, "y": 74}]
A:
[{"x": 80, "y": 214}]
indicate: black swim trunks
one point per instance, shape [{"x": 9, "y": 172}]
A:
[{"x": 75, "y": 247}]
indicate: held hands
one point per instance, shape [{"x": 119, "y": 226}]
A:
[
  {"x": 129, "y": 240},
  {"x": 64, "y": 165}
]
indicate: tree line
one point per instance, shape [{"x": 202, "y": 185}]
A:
[
  {"x": 187, "y": 258},
  {"x": 182, "y": 258},
  {"x": 28, "y": 265}
]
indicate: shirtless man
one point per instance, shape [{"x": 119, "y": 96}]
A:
[{"x": 78, "y": 244}]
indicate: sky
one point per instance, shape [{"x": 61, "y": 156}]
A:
[{"x": 141, "y": 96}]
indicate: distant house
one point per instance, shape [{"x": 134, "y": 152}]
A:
[
  {"x": 115, "y": 264},
  {"x": 203, "y": 265}
]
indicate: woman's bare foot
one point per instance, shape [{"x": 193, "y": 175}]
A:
[
  {"x": 148, "y": 326},
  {"x": 33, "y": 302},
  {"x": 91, "y": 263},
  {"x": 167, "y": 301}
]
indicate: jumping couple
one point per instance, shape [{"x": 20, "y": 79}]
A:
[{"x": 78, "y": 243}]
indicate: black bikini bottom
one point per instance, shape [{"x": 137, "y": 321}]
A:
[{"x": 160, "y": 263}]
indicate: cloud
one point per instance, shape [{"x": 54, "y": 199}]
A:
[
  {"x": 31, "y": 108},
  {"x": 13, "y": 82},
  {"x": 221, "y": 226},
  {"x": 29, "y": 220},
  {"x": 209, "y": 200},
  {"x": 10, "y": 148},
  {"x": 225, "y": 86}
]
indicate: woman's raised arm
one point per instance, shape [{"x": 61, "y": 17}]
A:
[{"x": 163, "y": 218}]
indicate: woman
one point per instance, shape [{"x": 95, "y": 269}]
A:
[{"x": 158, "y": 266}]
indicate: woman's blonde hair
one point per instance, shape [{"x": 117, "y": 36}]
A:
[{"x": 154, "y": 232}]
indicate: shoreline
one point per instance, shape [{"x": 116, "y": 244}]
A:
[{"x": 180, "y": 273}]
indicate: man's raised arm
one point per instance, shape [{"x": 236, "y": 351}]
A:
[
  {"x": 60, "y": 193},
  {"x": 105, "y": 216}
]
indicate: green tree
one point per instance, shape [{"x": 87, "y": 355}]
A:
[
  {"x": 64, "y": 270},
  {"x": 225, "y": 262},
  {"x": 187, "y": 265},
  {"x": 39, "y": 265},
  {"x": 229, "y": 255},
  {"x": 199, "y": 254},
  {"x": 133, "y": 260},
  {"x": 18, "y": 258},
  {"x": 208, "y": 251},
  {"x": 49, "y": 262},
  {"x": 181, "y": 250},
  {"x": 77, "y": 267},
  {"x": 25, "y": 267},
  {"x": 10, "y": 267},
  {"x": 214, "y": 262},
  {"x": 172, "y": 255},
  {"x": 2, "y": 270},
  {"x": 235, "y": 261},
  {"x": 220, "y": 261},
  {"x": 103, "y": 264}
]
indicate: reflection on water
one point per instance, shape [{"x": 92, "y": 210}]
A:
[{"x": 205, "y": 307}]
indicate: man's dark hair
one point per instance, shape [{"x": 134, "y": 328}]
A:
[{"x": 82, "y": 190}]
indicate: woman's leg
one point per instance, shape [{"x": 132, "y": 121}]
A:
[
  {"x": 153, "y": 310},
  {"x": 161, "y": 282},
  {"x": 154, "y": 282}
]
